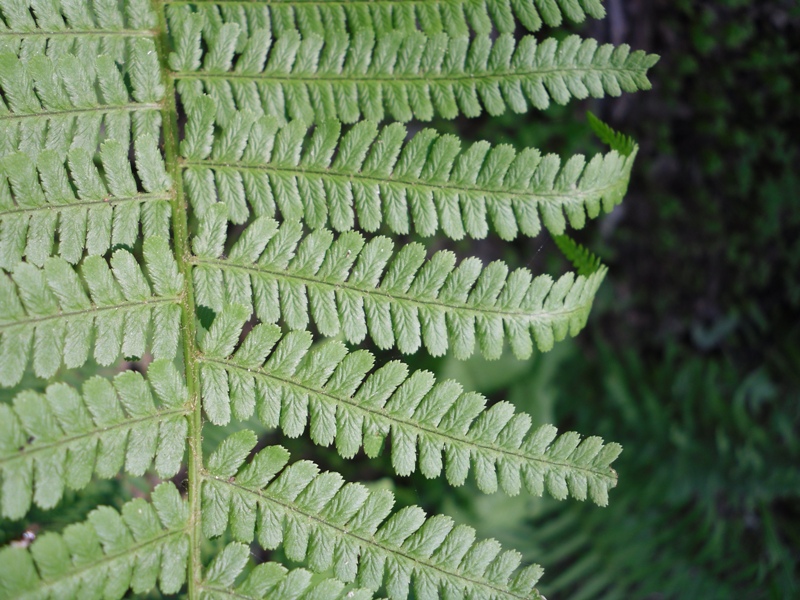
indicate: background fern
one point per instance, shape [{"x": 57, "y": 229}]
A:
[{"x": 168, "y": 173}]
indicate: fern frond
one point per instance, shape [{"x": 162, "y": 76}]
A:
[
  {"x": 585, "y": 262},
  {"x": 105, "y": 556},
  {"x": 171, "y": 177},
  {"x": 269, "y": 580},
  {"x": 58, "y": 439},
  {"x": 72, "y": 101},
  {"x": 329, "y": 524},
  {"x": 290, "y": 384},
  {"x": 57, "y": 27},
  {"x": 402, "y": 75},
  {"x": 47, "y": 313},
  {"x": 357, "y": 287},
  {"x": 383, "y": 180},
  {"x": 455, "y": 17},
  {"x": 105, "y": 213},
  {"x": 615, "y": 140}
]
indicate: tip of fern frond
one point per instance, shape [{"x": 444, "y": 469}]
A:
[
  {"x": 609, "y": 136},
  {"x": 584, "y": 261}
]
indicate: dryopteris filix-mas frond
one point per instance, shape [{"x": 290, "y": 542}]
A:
[{"x": 192, "y": 196}]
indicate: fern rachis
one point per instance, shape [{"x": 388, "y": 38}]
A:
[{"x": 170, "y": 172}]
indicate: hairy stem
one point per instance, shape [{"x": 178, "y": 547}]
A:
[{"x": 182, "y": 254}]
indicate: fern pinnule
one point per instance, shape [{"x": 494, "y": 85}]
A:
[
  {"x": 401, "y": 75},
  {"x": 381, "y": 179},
  {"x": 60, "y": 101},
  {"x": 291, "y": 384},
  {"x": 269, "y": 580},
  {"x": 60, "y": 438},
  {"x": 47, "y": 314},
  {"x": 455, "y": 17},
  {"x": 359, "y": 287},
  {"x": 106, "y": 555},
  {"x": 344, "y": 527}
]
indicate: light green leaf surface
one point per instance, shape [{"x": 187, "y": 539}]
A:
[
  {"x": 144, "y": 544},
  {"x": 398, "y": 299},
  {"x": 319, "y": 518},
  {"x": 425, "y": 185},
  {"x": 436, "y": 427},
  {"x": 171, "y": 175}
]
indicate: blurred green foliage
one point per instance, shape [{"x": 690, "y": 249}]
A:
[{"x": 718, "y": 189}]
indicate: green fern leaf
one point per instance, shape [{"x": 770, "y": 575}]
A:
[
  {"x": 103, "y": 214},
  {"x": 269, "y": 580},
  {"x": 29, "y": 27},
  {"x": 291, "y": 384},
  {"x": 383, "y": 180},
  {"x": 146, "y": 150},
  {"x": 403, "y": 300},
  {"x": 400, "y": 75},
  {"x": 53, "y": 103},
  {"x": 143, "y": 544},
  {"x": 582, "y": 259},
  {"x": 332, "y": 525},
  {"x": 47, "y": 313},
  {"x": 454, "y": 17},
  {"x": 60, "y": 438},
  {"x": 619, "y": 142}
]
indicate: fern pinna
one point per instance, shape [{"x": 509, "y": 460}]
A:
[{"x": 181, "y": 189}]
